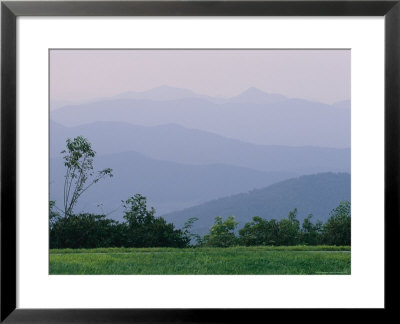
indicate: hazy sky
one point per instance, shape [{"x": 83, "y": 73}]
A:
[{"x": 319, "y": 75}]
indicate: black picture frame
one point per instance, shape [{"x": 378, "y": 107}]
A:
[{"x": 10, "y": 10}]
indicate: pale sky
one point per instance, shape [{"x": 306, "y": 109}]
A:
[{"x": 317, "y": 75}]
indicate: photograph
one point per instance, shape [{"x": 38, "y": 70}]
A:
[{"x": 199, "y": 161}]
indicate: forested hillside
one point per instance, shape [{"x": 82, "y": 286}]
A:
[{"x": 312, "y": 194}]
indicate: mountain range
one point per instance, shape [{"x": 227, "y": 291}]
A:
[
  {"x": 189, "y": 146},
  {"x": 253, "y": 116},
  {"x": 168, "y": 185}
]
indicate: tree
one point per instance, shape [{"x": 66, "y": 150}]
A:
[
  {"x": 337, "y": 229},
  {"x": 191, "y": 237},
  {"x": 310, "y": 233},
  {"x": 222, "y": 233},
  {"x": 289, "y": 229},
  {"x": 143, "y": 229},
  {"x": 136, "y": 212},
  {"x": 259, "y": 232},
  {"x": 79, "y": 176}
]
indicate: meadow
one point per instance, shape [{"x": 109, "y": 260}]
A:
[{"x": 253, "y": 260}]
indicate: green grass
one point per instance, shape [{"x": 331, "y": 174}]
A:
[{"x": 234, "y": 260}]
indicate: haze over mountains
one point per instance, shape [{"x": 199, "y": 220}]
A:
[
  {"x": 185, "y": 150},
  {"x": 188, "y": 146},
  {"x": 168, "y": 185},
  {"x": 253, "y": 116}
]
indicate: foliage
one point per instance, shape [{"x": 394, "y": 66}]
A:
[
  {"x": 192, "y": 237},
  {"x": 311, "y": 234},
  {"x": 85, "y": 231},
  {"x": 79, "y": 176},
  {"x": 337, "y": 230},
  {"x": 289, "y": 229},
  {"x": 259, "y": 232},
  {"x": 143, "y": 229},
  {"x": 222, "y": 233},
  {"x": 263, "y": 232},
  {"x": 53, "y": 215}
]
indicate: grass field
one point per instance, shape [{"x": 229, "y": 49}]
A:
[{"x": 233, "y": 260}]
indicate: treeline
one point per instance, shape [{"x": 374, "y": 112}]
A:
[
  {"x": 141, "y": 228},
  {"x": 287, "y": 231}
]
